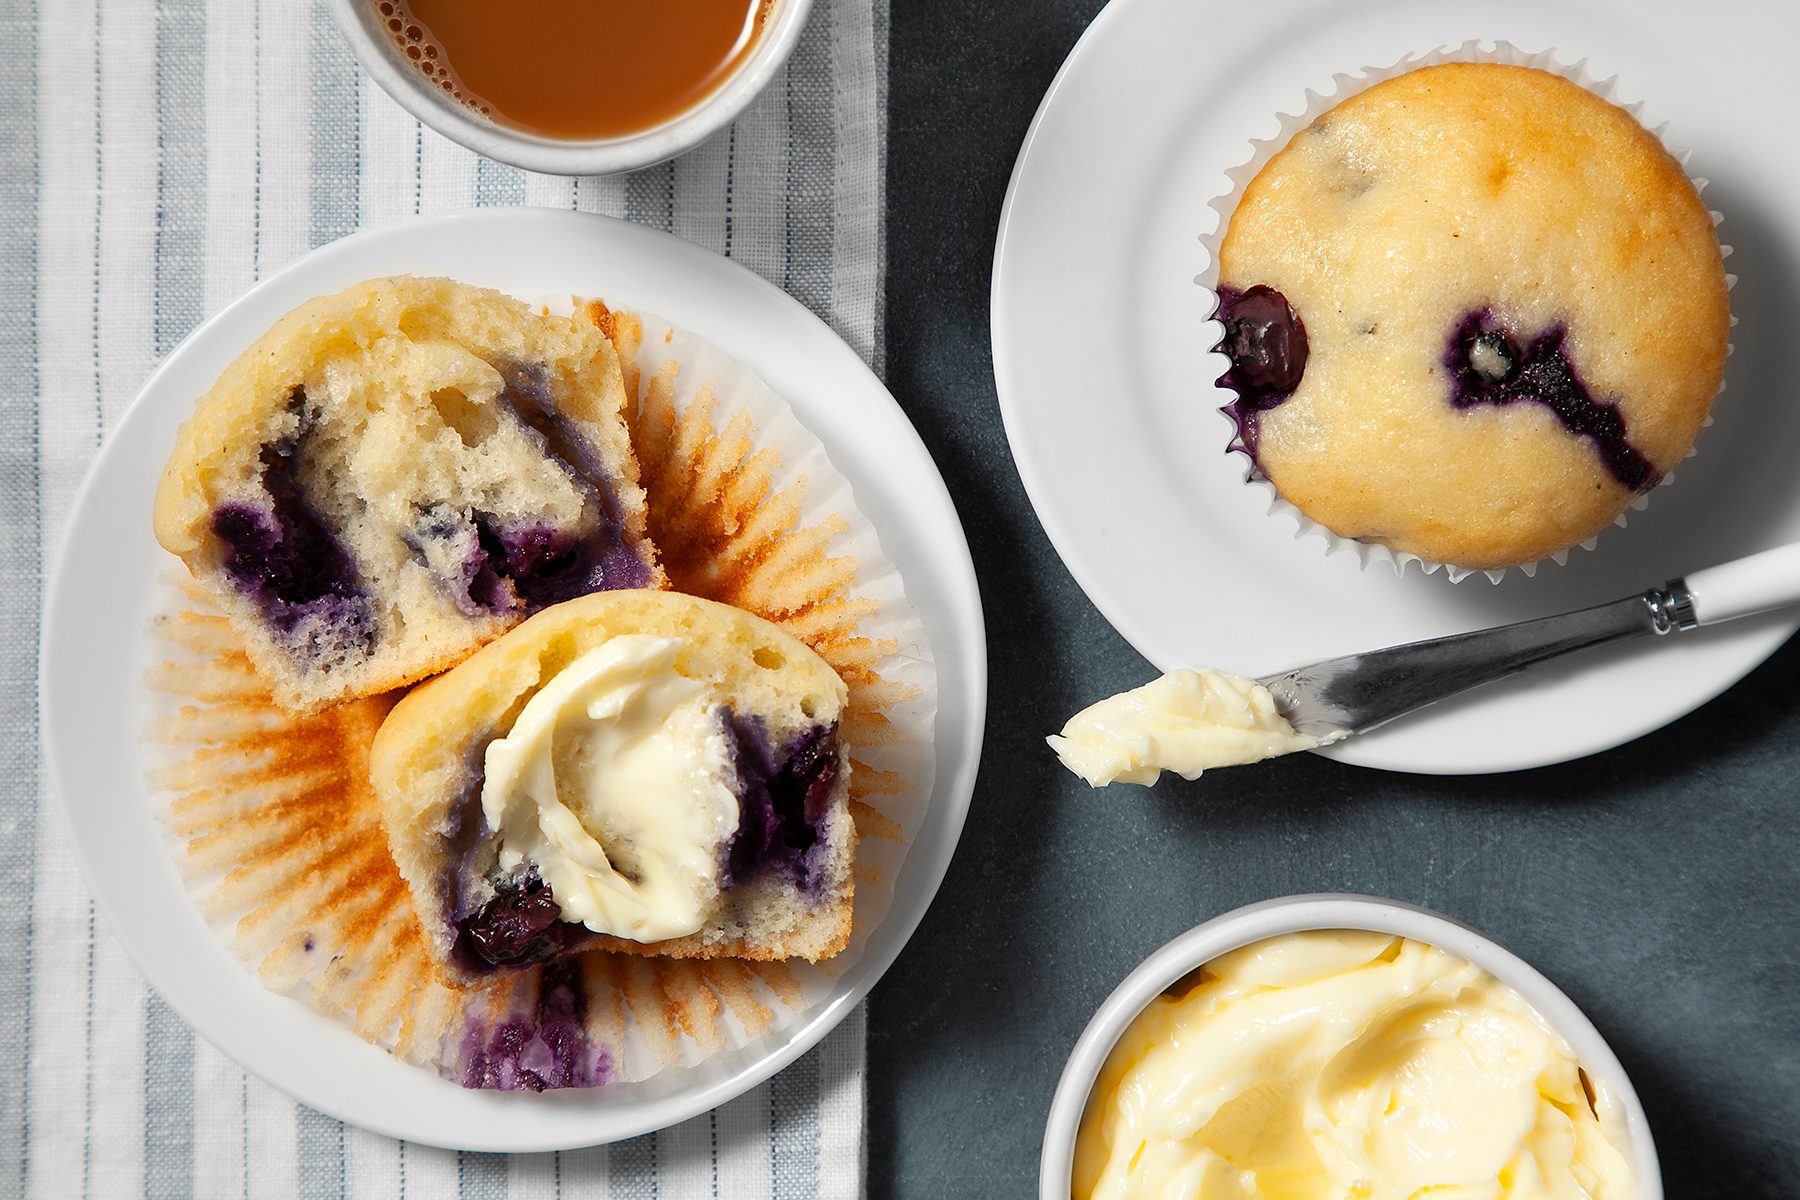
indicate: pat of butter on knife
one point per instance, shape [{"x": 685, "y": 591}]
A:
[{"x": 1187, "y": 722}]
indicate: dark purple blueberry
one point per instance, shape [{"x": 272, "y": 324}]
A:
[
  {"x": 782, "y": 796},
  {"x": 485, "y": 586},
  {"x": 287, "y": 555},
  {"x": 544, "y": 564},
  {"x": 490, "y": 567},
  {"x": 254, "y": 549},
  {"x": 1489, "y": 365},
  {"x": 286, "y": 558},
  {"x": 811, "y": 769},
  {"x": 521, "y": 925},
  {"x": 615, "y": 564},
  {"x": 1265, "y": 340},
  {"x": 1266, "y": 343}
]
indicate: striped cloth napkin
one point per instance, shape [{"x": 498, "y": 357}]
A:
[{"x": 156, "y": 159}]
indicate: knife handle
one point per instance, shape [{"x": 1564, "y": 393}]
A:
[{"x": 1747, "y": 586}]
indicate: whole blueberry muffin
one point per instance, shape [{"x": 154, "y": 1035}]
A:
[
  {"x": 398, "y": 473},
  {"x": 642, "y": 771},
  {"x": 1472, "y": 313}
]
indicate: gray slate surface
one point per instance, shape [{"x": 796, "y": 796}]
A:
[{"x": 1657, "y": 884}]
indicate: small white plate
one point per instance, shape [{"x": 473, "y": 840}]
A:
[
  {"x": 1105, "y": 383},
  {"x": 96, "y": 648}
]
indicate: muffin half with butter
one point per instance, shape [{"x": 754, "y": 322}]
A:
[{"x": 644, "y": 772}]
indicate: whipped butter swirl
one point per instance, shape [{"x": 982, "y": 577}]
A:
[
  {"x": 616, "y": 780},
  {"x": 1186, "y": 722},
  {"x": 1345, "y": 1065}
]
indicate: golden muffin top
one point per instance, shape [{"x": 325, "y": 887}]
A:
[{"x": 1505, "y": 314}]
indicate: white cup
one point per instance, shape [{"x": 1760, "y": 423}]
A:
[
  {"x": 369, "y": 40},
  {"x": 1296, "y": 914}
]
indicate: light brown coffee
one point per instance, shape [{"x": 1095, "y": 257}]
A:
[{"x": 576, "y": 69}]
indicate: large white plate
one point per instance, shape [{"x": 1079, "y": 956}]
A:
[
  {"x": 1104, "y": 380},
  {"x": 95, "y": 650}
]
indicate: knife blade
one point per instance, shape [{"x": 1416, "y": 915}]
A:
[{"x": 1358, "y": 692}]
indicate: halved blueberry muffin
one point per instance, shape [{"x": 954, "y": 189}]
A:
[
  {"x": 398, "y": 473},
  {"x": 1472, "y": 313},
  {"x": 645, "y": 772}
]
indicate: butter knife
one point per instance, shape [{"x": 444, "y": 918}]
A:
[{"x": 1356, "y": 693}]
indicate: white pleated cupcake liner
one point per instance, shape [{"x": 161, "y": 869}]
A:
[{"x": 1344, "y": 85}]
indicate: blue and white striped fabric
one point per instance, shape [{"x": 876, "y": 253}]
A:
[{"x": 155, "y": 160}]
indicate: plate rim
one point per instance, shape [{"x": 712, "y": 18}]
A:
[
  {"x": 1117, "y": 613},
  {"x": 952, "y": 791}
]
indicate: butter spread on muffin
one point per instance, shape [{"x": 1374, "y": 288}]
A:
[
  {"x": 642, "y": 771},
  {"x": 1187, "y": 722},
  {"x": 395, "y": 474},
  {"x": 1471, "y": 313},
  {"x": 615, "y": 783}
]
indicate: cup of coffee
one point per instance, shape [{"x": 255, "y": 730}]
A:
[{"x": 573, "y": 87}]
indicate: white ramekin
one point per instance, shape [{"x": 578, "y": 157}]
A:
[
  {"x": 361, "y": 26},
  {"x": 1294, "y": 914}
]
